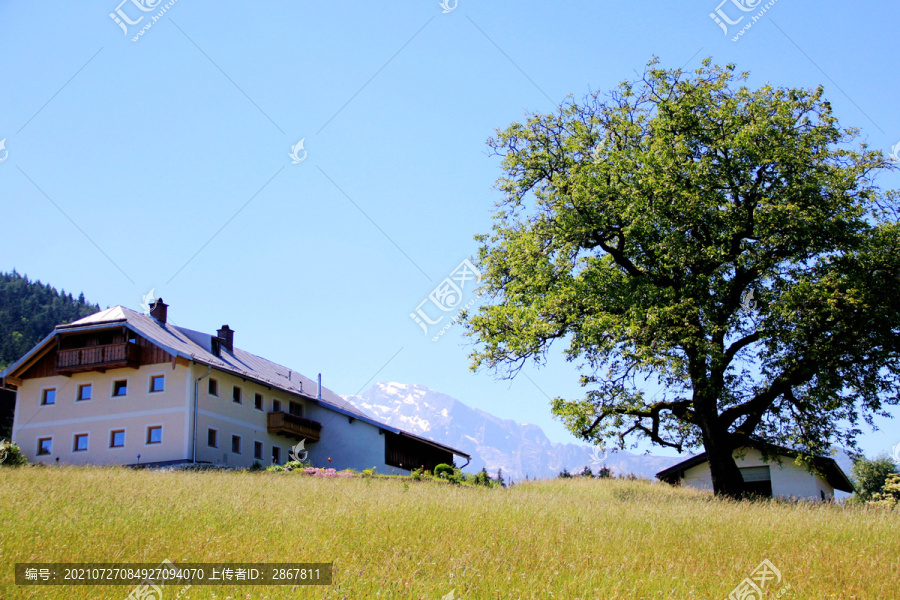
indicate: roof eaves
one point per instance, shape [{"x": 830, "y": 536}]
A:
[{"x": 11, "y": 368}]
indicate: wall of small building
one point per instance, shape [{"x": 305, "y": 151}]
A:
[
  {"x": 349, "y": 442},
  {"x": 104, "y": 413},
  {"x": 788, "y": 480}
]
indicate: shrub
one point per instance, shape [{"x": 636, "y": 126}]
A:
[
  {"x": 275, "y": 469},
  {"x": 256, "y": 466},
  {"x": 482, "y": 478},
  {"x": 564, "y": 474},
  {"x": 889, "y": 494},
  {"x": 443, "y": 470},
  {"x": 869, "y": 476},
  {"x": 11, "y": 455}
]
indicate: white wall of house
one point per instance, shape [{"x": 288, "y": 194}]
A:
[
  {"x": 102, "y": 414},
  {"x": 788, "y": 480},
  {"x": 350, "y": 443}
]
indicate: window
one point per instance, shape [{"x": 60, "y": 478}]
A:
[
  {"x": 757, "y": 481},
  {"x": 48, "y": 396},
  {"x": 154, "y": 434},
  {"x": 276, "y": 405},
  {"x": 236, "y": 444},
  {"x": 157, "y": 383},
  {"x": 276, "y": 455},
  {"x": 117, "y": 438},
  {"x": 295, "y": 409},
  {"x": 84, "y": 392},
  {"x": 236, "y": 394},
  {"x": 120, "y": 388},
  {"x": 45, "y": 446},
  {"x": 258, "y": 450},
  {"x": 212, "y": 438},
  {"x": 213, "y": 387},
  {"x": 258, "y": 401},
  {"x": 81, "y": 442}
]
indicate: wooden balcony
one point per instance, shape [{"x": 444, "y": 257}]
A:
[
  {"x": 282, "y": 423},
  {"x": 98, "y": 358}
]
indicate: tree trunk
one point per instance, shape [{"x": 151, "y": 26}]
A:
[{"x": 726, "y": 477}]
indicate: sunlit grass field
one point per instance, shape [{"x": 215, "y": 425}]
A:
[{"x": 390, "y": 538}]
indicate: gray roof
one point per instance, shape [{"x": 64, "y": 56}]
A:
[{"x": 197, "y": 346}]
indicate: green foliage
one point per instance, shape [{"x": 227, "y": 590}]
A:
[
  {"x": 275, "y": 469},
  {"x": 256, "y": 466},
  {"x": 482, "y": 478},
  {"x": 869, "y": 476},
  {"x": 564, "y": 474},
  {"x": 586, "y": 472},
  {"x": 443, "y": 469},
  {"x": 890, "y": 493},
  {"x": 728, "y": 244},
  {"x": 29, "y": 310},
  {"x": 11, "y": 455},
  {"x": 604, "y": 473}
]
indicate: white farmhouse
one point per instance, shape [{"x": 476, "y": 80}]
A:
[
  {"x": 122, "y": 388},
  {"x": 780, "y": 478}
]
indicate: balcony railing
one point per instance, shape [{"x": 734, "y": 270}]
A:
[
  {"x": 283, "y": 423},
  {"x": 98, "y": 358}
]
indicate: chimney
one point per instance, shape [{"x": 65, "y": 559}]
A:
[
  {"x": 158, "y": 310},
  {"x": 319, "y": 394},
  {"x": 226, "y": 335}
]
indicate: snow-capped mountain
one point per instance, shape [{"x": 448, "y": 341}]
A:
[{"x": 519, "y": 449}]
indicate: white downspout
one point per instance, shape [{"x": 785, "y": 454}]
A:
[{"x": 196, "y": 394}]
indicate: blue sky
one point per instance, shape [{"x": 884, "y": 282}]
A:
[{"x": 163, "y": 163}]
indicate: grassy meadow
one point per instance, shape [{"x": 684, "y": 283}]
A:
[{"x": 390, "y": 538}]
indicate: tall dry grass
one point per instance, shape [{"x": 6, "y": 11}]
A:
[{"x": 562, "y": 539}]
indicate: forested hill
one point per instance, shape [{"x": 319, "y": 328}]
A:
[{"x": 29, "y": 310}]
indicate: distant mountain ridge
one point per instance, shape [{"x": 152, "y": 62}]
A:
[{"x": 519, "y": 449}]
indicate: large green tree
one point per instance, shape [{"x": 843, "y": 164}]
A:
[{"x": 728, "y": 244}]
